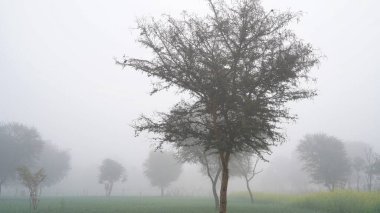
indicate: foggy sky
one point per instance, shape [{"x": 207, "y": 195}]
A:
[{"x": 57, "y": 74}]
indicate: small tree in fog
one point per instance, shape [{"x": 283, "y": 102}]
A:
[
  {"x": 210, "y": 165},
  {"x": 356, "y": 151},
  {"x": 325, "y": 160},
  {"x": 240, "y": 64},
  {"x": 245, "y": 166},
  {"x": 111, "y": 172},
  {"x": 358, "y": 166},
  {"x": 372, "y": 166},
  {"x": 32, "y": 182},
  {"x": 162, "y": 168},
  {"x": 19, "y": 145},
  {"x": 365, "y": 163}
]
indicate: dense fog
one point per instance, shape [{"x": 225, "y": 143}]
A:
[{"x": 58, "y": 75}]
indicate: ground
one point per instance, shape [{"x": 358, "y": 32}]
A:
[{"x": 342, "y": 202}]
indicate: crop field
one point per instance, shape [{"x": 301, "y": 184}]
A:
[{"x": 342, "y": 202}]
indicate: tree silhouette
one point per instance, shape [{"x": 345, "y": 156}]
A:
[
  {"x": 162, "y": 169},
  {"x": 240, "y": 65},
  {"x": 111, "y": 172},
  {"x": 325, "y": 160}
]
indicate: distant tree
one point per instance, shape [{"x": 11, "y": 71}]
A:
[
  {"x": 358, "y": 166},
  {"x": 210, "y": 165},
  {"x": 111, "y": 172},
  {"x": 325, "y": 160},
  {"x": 19, "y": 145},
  {"x": 56, "y": 164},
  {"x": 245, "y": 166},
  {"x": 162, "y": 168},
  {"x": 371, "y": 168},
  {"x": 240, "y": 64},
  {"x": 7, "y": 159},
  {"x": 32, "y": 182},
  {"x": 356, "y": 153}
]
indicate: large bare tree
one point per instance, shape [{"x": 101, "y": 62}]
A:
[{"x": 240, "y": 64}]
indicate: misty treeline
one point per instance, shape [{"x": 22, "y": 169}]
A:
[
  {"x": 27, "y": 159},
  {"x": 335, "y": 164},
  {"x": 239, "y": 66},
  {"x": 322, "y": 162}
]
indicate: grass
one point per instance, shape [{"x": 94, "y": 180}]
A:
[
  {"x": 338, "y": 202},
  {"x": 343, "y": 201}
]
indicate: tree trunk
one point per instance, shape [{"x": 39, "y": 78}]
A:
[
  {"x": 1, "y": 184},
  {"x": 110, "y": 189},
  {"x": 106, "y": 188},
  {"x": 330, "y": 187},
  {"x": 162, "y": 191},
  {"x": 214, "y": 181},
  {"x": 224, "y": 158},
  {"x": 215, "y": 193},
  {"x": 249, "y": 190},
  {"x": 34, "y": 198},
  {"x": 357, "y": 182},
  {"x": 370, "y": 183}
]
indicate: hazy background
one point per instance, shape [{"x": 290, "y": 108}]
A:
[{"x": 57, "y": 74}]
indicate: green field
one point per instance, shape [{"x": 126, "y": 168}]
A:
[{"x": 341, "y": 202}]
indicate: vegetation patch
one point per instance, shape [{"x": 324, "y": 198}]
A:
[{"x": 341, "y": 201}]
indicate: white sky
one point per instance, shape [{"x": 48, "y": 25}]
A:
[{"x": 57, "y": 73}]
